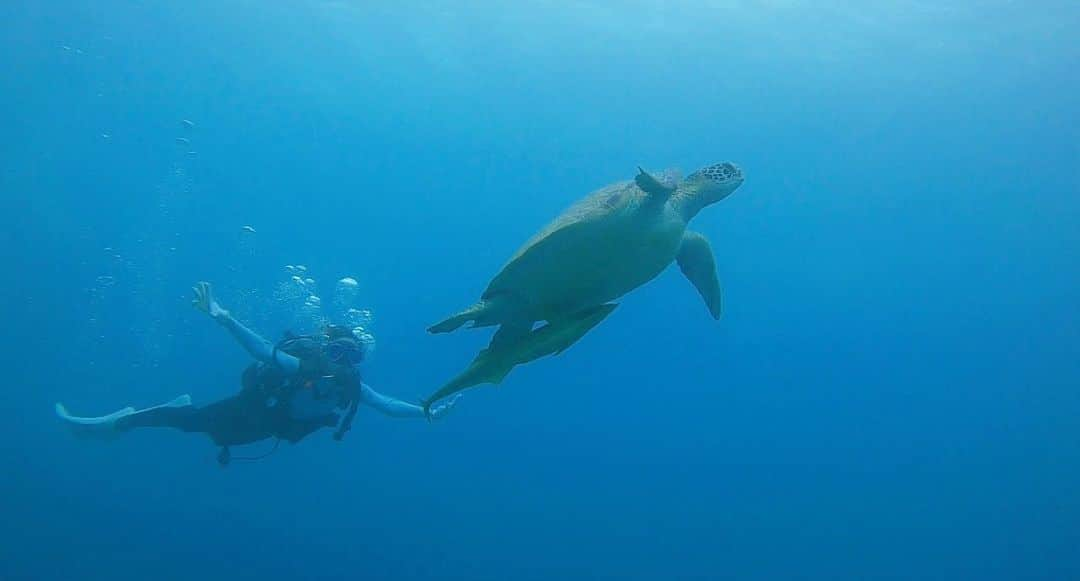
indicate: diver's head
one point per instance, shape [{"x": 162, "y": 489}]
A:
[{"x": 342, "y": 346}]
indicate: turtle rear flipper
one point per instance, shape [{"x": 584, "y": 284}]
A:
[
  {"x": 452, "y": 323},
  {"x": 493, "y": 364},
  {"x": 471, "y": 314},
  {"x": 493, "y": 309}
]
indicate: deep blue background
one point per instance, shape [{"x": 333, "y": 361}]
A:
[{"x": 892, "y": 393}]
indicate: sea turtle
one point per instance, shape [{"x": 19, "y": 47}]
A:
[{"x": 607, "y": 244}]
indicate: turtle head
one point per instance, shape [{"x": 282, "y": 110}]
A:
[
  {"x": 716, "y": 182},
  {"x": 709, "y": 185}
]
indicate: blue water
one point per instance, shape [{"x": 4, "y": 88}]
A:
[{"x": 892, "y": 392}]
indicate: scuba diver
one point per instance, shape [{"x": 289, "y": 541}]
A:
[{"x": 294, "y": 388}]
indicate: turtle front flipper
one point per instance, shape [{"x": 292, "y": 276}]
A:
[
  {"x": 652, "y": 186},
  {"x": 697, "y": 263}
]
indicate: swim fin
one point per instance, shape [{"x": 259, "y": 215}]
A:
[{"x": 104, "y": 427}]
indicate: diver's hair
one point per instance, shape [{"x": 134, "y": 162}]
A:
[
  {"x": 340, "y": 333},
  {"x": 334, "y": 332},
  {"x": 303, "y": 347}
]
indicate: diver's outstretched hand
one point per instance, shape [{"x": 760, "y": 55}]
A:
[
  {"x": 441, "y": 409},
  {"x": 204, "y": 301}
]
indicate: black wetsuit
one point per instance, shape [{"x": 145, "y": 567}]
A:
[
  {"x": 241, "y": 419},
  {"x": 258, "y": 412}
]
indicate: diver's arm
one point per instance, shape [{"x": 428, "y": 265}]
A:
[
  {"x": 258, "y": 347},
  {"x": 396, "y": 408},
  {"x": 389, "y": 406}
]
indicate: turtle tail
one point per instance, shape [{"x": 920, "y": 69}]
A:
[{"x": 451, "y": 324}]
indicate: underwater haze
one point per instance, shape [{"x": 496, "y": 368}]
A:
[{"x": 892, "y": 392}]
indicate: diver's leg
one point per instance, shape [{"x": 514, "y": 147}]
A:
[
  {"x": 240, "y": 419},
  {"x": 187, "y": 419}
]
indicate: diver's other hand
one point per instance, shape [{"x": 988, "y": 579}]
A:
[
  {"x": 204, "y": 301},
  {"x": 440, "y": 410}
]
